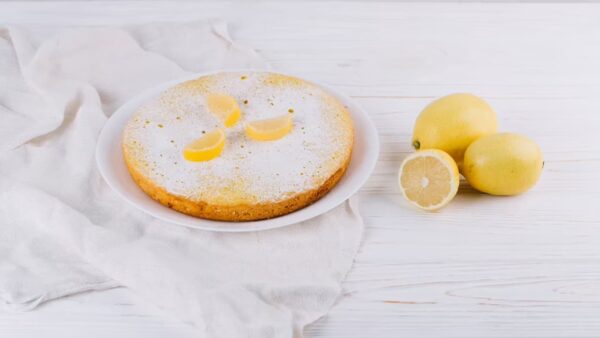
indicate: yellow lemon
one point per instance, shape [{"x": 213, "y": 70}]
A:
[
  {"x": 452, "y": 123},
  {"x": 503, "y": 164},
  {"x": 428, "y": 179},
  {"x": 205, "y": 148},
  {"x": 269, "y": 129},
  {"x": 225, "y": 107}
]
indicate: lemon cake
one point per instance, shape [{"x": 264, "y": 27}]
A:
[{"x": 239, "y": 146}]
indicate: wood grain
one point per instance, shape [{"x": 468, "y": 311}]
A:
[{"x": 525, "y": 266}]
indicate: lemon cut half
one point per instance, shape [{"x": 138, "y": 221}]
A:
[
  {"x": 205, "y": 148},
  {"x": 429, "y": 179},
  {"x": 269, "y": 129},
  {"x": 225, "y": 108}
]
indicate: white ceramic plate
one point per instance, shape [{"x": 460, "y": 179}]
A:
[{"x": 109, "y": 158}]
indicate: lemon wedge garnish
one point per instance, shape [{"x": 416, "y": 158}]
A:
[
  {"x": 429, "y": 179},
  {"x": 224, "y": 107},
  {"x": 269, "y": 129},
  {"x": 205, "y": 148}
]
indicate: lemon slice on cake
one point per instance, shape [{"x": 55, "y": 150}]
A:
[
  {"x": 269, "y": 129},
  {"x": 225, "y": 107},
  {"x": 205, "y": 148},
  {"x": 429, "y": 179}
]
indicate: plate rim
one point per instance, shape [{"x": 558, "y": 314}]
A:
[{"x": 129, "y": 107}]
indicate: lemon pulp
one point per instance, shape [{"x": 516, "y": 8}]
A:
[{"x": 429, "y": 179}]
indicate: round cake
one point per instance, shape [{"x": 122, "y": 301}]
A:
[{"x": 250, "y": 179}]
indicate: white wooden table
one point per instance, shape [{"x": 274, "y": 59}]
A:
[{"x": 526, "y": 266}]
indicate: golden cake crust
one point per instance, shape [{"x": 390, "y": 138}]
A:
[{"x": 237, "y": 212}]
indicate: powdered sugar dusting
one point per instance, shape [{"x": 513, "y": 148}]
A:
[{"x": 247, "y": 171}]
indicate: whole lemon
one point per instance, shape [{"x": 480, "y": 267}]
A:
[
  {"x": 452, "y": 123},
  {"x": 503, "y": 164}
]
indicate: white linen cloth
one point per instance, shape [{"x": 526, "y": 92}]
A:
[{"x": 63, "y": 231}]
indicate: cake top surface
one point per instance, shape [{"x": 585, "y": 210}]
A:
[{"x": 247, "y": 171}]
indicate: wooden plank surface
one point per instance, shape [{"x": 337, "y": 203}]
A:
[{"x": 525, "y": 266}]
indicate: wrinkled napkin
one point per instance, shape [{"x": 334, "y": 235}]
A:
[{"x": 63, "y": 231}]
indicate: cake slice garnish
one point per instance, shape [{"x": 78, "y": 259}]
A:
[
  {"x": 269, "y": 129},
  {"x": 205, "y": 148},
  {"x": 225, "y": 107}
]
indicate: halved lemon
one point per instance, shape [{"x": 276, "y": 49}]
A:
[
  {"x": 269, "y": 129},
  {"x": 429, "y": 179},
  {"x": 225, "y": 107},
  {"x": 205, "y": 148}
]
